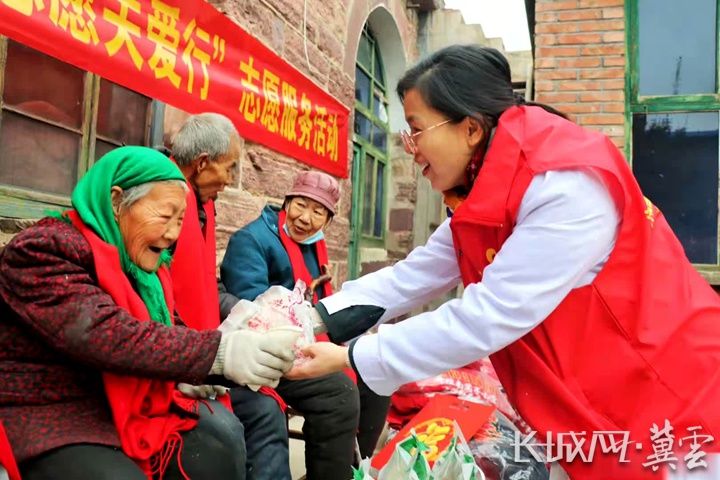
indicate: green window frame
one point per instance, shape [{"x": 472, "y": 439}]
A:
[
  {"x": 104, "y": 122},
  {"x": 371, "y": 136},
  {"x": 659, "y": 108}
]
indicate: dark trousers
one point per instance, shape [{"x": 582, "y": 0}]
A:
[
  {"x": 331, "y": 408},
  {"x": 215, "y": 448},
  {"x": 373, "y": 413},
  {"x": 266, "y": 435}
]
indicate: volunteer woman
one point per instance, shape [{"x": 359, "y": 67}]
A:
[{"x": 575, "y": 284}]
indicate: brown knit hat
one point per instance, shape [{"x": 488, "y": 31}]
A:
[{"x": 317, "y": 186}]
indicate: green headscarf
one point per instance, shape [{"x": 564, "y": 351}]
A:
[{"x": 125, "y": 167}]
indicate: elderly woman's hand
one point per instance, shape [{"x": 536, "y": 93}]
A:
[
  {"x": 325, "y": 358},
  {"x": 256, "y": 359}
]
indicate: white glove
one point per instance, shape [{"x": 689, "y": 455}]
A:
[
  {"x": 202, "y": 391},
  {"x": 256, "y": 359}
]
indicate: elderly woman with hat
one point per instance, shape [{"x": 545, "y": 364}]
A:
[
  {"x": 283, "y": 245},
  {"x": 90, "y": 355}
]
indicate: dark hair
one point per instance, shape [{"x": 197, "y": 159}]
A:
[{"x": 466, "y": 81}]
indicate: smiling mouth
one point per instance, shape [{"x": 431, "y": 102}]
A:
[{"x": 156, "y": 250}]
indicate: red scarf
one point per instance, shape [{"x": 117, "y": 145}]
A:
[
  {"x": 193, "y": 268},
  {"x": 301, "y": 272},
  {"x": 149, "y": 432},
  {"x": 194, "y": 281},
  {"x": 7, "y": 460}
]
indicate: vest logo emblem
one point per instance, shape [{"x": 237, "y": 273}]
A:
[{"x": 651, "y": 211}]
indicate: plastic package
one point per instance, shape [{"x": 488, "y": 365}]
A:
[
  {"x": 494, "y": 450},
  {"x": 276, "y": 308}
]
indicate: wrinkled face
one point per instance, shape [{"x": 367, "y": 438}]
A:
[
  {"x": 214, "y": 175},
  {"x": 151, "y": 224},
  {"x": 443, "y": 152},
  {"x": 305, "y": 217}
]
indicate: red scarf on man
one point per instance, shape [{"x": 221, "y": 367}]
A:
[
  {"x": 149, "y": 431},
  {"x": 301, "y": 272},
  {"x": 193, "y": 268}
]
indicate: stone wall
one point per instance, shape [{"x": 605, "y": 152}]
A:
[{"x": 332, "y": 29}]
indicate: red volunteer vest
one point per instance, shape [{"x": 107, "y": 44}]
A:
[{"x": 639, "y": 345}]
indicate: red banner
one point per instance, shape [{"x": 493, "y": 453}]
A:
[{"x": 189, "y": 55}]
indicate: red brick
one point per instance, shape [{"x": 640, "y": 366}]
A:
[
  {"x": 618, "y": 61},
  {"x": 601, "y": 26},
  {"x": 545, "y": 40},
  {"x": 603, "y": 73},
  {"x": 556, "y": 27},
  {"x": 543, "y": 17},
  {"x": 580, "y": 39},
  {"x": 600, "y": 96},
  {"x": 601, "y": 3},
  {"x": 586, "y": 14},
  {"x": 557, "y": 97},
  {"x": 619, "y": 142},
  {"x": 603, "y": 119},
  {"x": 557, "y": 74},
  {"x": 545, "y": 63},
  {"x": 555, "y": 5},
  {"x": 616, "y": 107},
  {"x": 577, "y": 108},
  {"x": 603, "y": 50},
  {"x": 544, "y": 86},
  {"x": 549, "y": 52},
  {"x": 615, "y": 12},
  {"x": 611, "y": 37},
  {"x": 578, "y": 62},
  {"x": 585, "y": 85}
]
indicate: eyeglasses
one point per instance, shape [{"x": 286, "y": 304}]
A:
[{"x": 409, "y": 138}]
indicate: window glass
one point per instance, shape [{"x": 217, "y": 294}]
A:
[
  {"x": 37, "y": 155},
  {"x": 42, "y": 86},
  {"x": 122, "y": 114},
  {"x": 677, "y": 44},
  {"x": 675, "y": 160}
]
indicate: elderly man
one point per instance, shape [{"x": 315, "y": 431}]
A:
[{"x": 207, "y": 149}]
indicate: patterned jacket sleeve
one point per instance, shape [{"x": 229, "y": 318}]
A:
[{"x": 47, "y": 276}]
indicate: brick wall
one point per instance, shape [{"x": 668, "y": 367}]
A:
[
  {"x": 580, "y": 61},
  {"x": 333, "y": 29}
]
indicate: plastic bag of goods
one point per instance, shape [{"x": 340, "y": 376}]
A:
[
  {"x": 276, "y": 308},
  {"x": 498, "y": 451}
]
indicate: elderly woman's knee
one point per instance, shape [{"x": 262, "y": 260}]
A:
[{"x": 216, "y": 446}]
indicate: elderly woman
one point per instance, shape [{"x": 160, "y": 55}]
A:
[
  {"x": 283, "y": 245},
  {"x": 89, "y": 356}
]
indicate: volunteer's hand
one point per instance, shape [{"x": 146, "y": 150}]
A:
[
  {"x": 325, "y": 358},
  {"x": 251, "y": 358},
  {"x": 202, "y": 391}
]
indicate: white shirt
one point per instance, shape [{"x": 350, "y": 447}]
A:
[{"x": 566, "y": 228}]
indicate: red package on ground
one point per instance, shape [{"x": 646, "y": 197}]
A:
[
  {"x": 434, "y": 426},
  {"x": 476, "y": 382}
]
